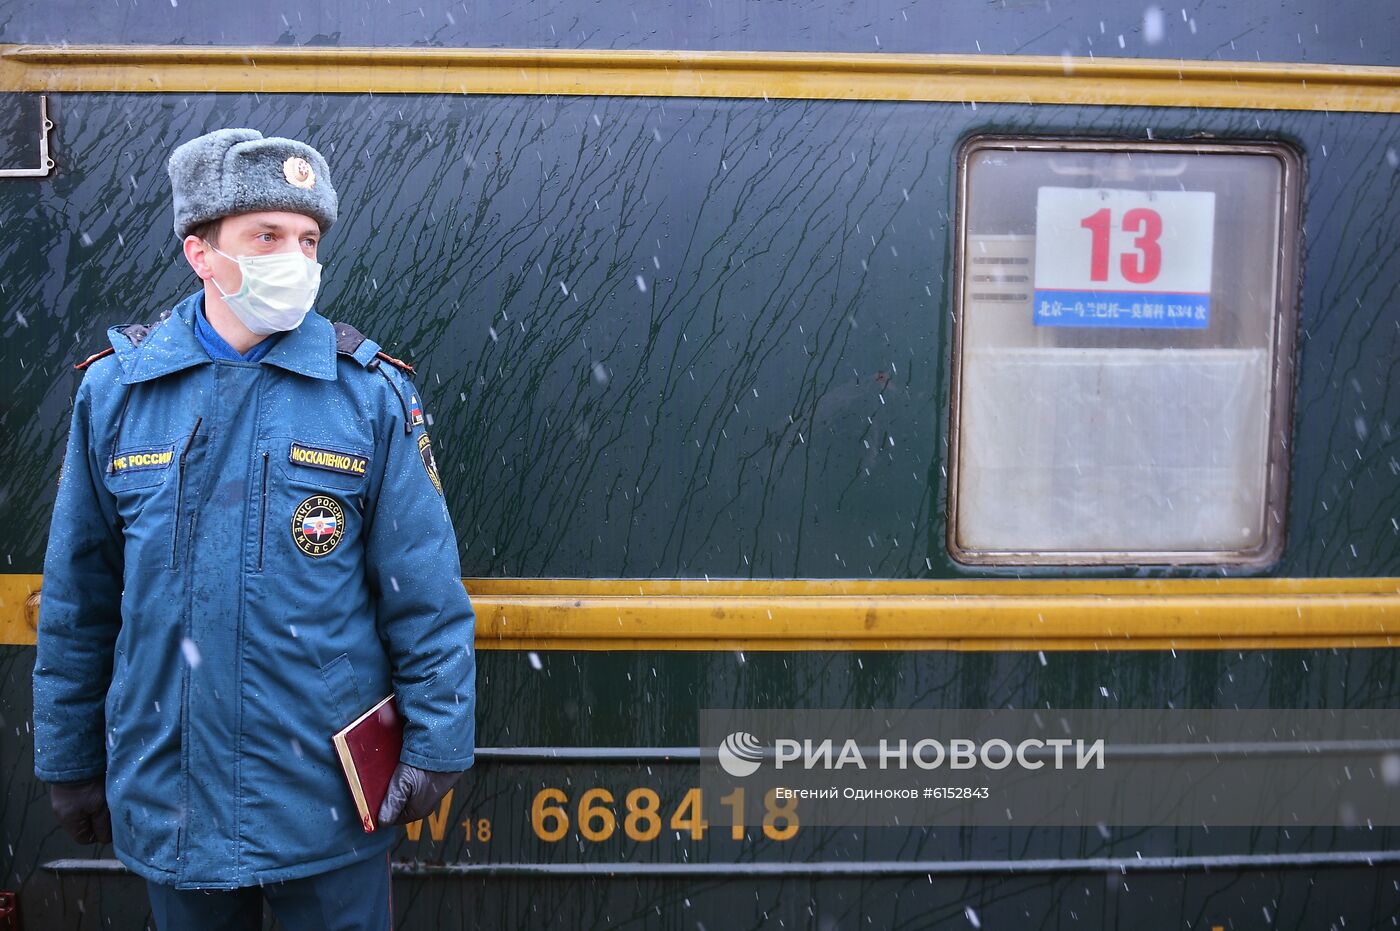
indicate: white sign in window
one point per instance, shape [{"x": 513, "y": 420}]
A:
[
  {"x": 1115, "y": 258},
  {"x": 1123, "y": 343}
]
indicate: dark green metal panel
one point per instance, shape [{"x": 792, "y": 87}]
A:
[
  {"x": 676, "y": 337},
  {"x": 645, "y": 700}
]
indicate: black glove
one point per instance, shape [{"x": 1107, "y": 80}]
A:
[
  {"x": 82, "y": 810},
  {"x": 413, "y": 792}
]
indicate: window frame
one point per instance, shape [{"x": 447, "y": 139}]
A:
[{"x": 1287, "y": 299}]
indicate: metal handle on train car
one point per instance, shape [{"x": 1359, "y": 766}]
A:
[{"x": 45, "y": 162}]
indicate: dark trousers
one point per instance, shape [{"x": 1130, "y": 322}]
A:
[{"x": 352, "y": 898}]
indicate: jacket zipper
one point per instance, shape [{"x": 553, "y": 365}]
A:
[
  {"x": 262, "y": 513},
  {"x": 180, "y": 494}
]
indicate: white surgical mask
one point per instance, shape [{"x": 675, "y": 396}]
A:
[{"x": 278, "y": 290}]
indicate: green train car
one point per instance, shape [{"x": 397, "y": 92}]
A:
[{"x": 750, "y": 389}]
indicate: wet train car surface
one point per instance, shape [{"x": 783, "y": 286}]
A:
[{"x": 686, "y": 324}]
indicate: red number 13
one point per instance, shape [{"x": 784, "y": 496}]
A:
[{"x": 1140, "y": 267}]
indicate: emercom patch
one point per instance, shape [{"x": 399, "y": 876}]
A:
[
  {"x": 329, "y": 459},
  {"x": 137, "y": 460},
  {"x": 318, "y": 525},
  {"x": 425, "y": 452}
]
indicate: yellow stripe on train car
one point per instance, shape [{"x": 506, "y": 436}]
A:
[
  {"x": 1023, "y": 79},
  {"x": 1007, "y": 615}
]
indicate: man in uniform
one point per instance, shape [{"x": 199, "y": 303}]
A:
[{"x": 250, "y": 547}]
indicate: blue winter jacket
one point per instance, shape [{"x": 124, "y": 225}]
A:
[{"x": 244, "y": 557}]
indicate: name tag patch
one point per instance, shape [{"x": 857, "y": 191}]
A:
[
  {"x": 137, "y": 460},
  {"x": 330, "y": 459}
]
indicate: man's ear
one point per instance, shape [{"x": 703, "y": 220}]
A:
[{"x": 197, "y": 254}]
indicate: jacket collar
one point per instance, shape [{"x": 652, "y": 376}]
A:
[
  {"x": 171, "y": 346},
  {"x": 308, "y": 350}
]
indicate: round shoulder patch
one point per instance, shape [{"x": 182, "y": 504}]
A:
[
  {"x": 318, "y": 525},
  {"x": 425, "y": 452}
]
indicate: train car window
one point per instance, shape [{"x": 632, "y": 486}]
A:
[{"x": 1124, "y": 331}]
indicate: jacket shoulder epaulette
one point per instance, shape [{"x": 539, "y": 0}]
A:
[
  {"x": 136, "y": 332},
  {"x": 347, "y": 338},
  {"x": 348, "y": 341},
  {"x": 351, "y": 342}
]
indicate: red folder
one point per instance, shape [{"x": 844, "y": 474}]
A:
[{"x": 369, "y": 750}]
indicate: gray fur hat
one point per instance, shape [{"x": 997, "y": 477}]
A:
[{"x": 233, "y": 171}]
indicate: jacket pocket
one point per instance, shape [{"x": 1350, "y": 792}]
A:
[
  {"x": 342, "y": 690},
  {"x": 262, "y": 513},
  {"x": 181, "y": 466}
]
